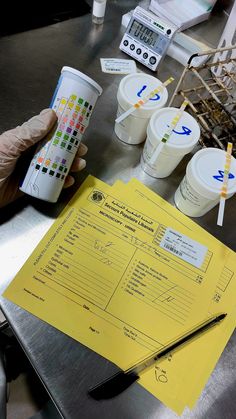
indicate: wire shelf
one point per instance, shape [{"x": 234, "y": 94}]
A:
[{"x": 210, "y": 88}]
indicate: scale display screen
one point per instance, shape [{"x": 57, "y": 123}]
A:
[{"x": 147, "y": 36}]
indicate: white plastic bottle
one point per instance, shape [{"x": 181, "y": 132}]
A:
[
  {"x": 73, "y": 101},
  {"x": 98, "y": 13}
]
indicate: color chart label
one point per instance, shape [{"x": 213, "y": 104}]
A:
[{"x": 55, "y": 156}]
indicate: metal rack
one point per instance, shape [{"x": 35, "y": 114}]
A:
[{"x": 208, "y": 82}]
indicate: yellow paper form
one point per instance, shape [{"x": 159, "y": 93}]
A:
[
  {"x": 211, "y": 344},
  {"x": 103, "y": 275},
  {"x": 212, "y": 347}
]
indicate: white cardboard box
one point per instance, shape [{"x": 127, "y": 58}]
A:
[{"x": 183, "y": 13}]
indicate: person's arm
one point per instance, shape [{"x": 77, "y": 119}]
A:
[{"x": 15, "y": 142}]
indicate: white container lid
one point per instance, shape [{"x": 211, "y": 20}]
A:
[
  {"x": 185, "y": 135},
  {"x": 205, "y": 172},
  {"x": 83, "y": 76},
  {"x": 137, "y": 86}
]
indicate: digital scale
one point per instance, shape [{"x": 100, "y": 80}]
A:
[{"x": 147, "y": 38}]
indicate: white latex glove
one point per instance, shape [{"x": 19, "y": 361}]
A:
[{"x": 15, "y": 142}]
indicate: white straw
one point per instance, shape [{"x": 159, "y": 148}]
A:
[
  {"x": 156, "y": 152},
  {"x": 224, "y": 188},
  {"x": 124, "y": 115},
  {"x": 221, "y": 212}
]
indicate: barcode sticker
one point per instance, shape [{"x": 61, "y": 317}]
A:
[
  {"x": 183, "y": 247},
  {"x": 118, "y": 66}
]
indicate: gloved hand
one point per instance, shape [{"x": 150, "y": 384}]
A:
[{"x": 15, "y": 142}]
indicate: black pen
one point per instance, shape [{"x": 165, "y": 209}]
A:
[{"x": 123, "y": 379}]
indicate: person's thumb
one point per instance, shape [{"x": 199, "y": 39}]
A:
[{"x": 17, "y": 140}]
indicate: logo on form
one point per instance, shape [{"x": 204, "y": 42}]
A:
[{"x": 97, "y": 197}]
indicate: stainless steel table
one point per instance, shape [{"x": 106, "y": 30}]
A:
[{"x": 29, "y": 68}]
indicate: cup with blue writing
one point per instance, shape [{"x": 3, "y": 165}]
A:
[
  {"x": 201, "y": 188},
  {"x": 182, "y": 140},
  {"x": 134, "y": 88},
  {"x": 73, "y": 101}
]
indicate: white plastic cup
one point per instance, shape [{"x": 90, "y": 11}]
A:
[
  {"x": 73, "y": 101},
  {"x": 181, "y": 141},
  {"x": 132, "y": 88},
  {"x": 200, "y": 189}
]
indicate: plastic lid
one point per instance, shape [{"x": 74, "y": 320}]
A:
[
  {"x": 84, "y": 77},
  {"x": 137, "y": 86},
  {"x": 185, "y": 135},
  {"x": 205, "y": 172}
]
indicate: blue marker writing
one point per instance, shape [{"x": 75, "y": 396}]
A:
[
  {"x": 186, "y": 131},
  {"x": 220, "y": 177},
  {"x": 141, "y": 91},
  {"x": 156, "y": 97}
]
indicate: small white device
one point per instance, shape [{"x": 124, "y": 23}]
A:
[
  {"x": 147, "y": 37},
  {"x": 181, "y": 47}
]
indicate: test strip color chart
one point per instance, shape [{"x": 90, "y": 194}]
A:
[{"x": 73, "y": 119}]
